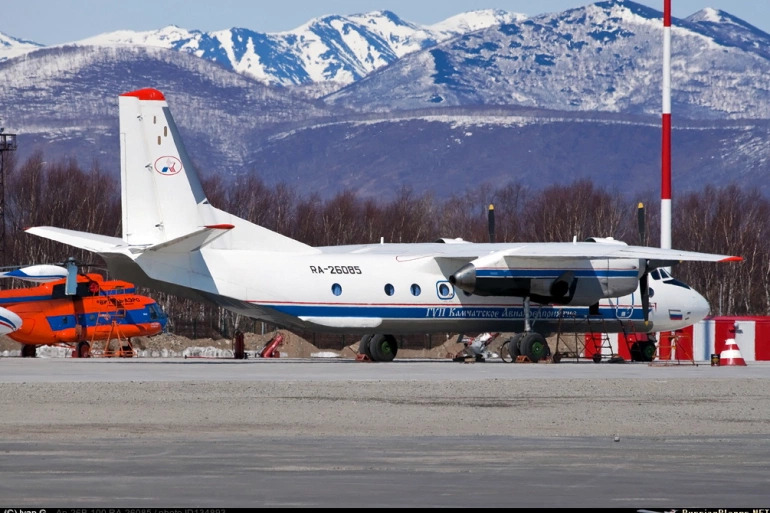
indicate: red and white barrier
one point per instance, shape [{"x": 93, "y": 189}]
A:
[
  {"x": 751, "y": 334},
  {"x": 695, "y": 343}
]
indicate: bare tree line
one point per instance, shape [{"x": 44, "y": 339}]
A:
[{"x": 727, "y": 220}]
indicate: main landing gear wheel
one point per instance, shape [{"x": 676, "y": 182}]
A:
[
  {"x": 512, "y": 347},
  {"x": 364, "y": 347},
  {"x": 28, "y": 351},
  {"x": 383, "y": 348},
  {"x": 84, "y": 349},
  {"x": 534, "y": 347},
  {"x": 643, "y": 351},
  {"x": 648, "y": 351}
]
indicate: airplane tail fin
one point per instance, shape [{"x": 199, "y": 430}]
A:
[{"x": 162, "y": 197}]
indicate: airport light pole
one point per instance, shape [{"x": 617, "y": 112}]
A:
[
  {"x": 665, "y": 186},
  {"x": 7, "y": 143}
]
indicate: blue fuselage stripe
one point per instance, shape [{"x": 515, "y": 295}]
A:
[
  {"x": 553, "y": 273},
  {"x": 450, "y": 311},
  {"x": 49, "y": 297},
  {"x": 140, "y": 316},
  {"x": 22, "y": 299}
]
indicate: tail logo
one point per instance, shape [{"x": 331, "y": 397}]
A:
[{"x": 168, "y": 165}]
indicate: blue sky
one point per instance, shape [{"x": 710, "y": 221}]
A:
[{"x": 60, "y": 21}]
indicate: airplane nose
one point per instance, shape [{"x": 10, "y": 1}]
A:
[{"x": 699, "y": 307}]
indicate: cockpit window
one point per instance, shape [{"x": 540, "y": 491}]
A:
[
  {"x": 674, "y": 281},
  {"x": 155, "y": 311},
  {"x": 662, "y": 274}
]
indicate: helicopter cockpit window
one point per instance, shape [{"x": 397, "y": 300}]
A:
[{"x": 155, "y": 312}]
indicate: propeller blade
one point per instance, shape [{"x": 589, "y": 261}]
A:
[
  {"x": 644, "y": 287},
  {"x": 645, "y": 290},
  {"x": 491, "y": 222},
  {"x": 71, "y": 285}
]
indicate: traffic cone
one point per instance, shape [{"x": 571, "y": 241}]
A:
[{"x": 731, "y": 355}]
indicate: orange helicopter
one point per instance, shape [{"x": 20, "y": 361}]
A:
[{"x": 73, "y": 309}]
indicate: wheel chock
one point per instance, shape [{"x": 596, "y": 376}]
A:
[
  {"x": 523, "y": 359},
  {"x": 362, "y": 358},
  {"x": 464, "y": 358}
]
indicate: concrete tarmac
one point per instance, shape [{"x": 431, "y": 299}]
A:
[{"x": 176, "y": 433}]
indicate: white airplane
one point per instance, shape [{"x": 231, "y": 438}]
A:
[{"x": 174, "y": 240}]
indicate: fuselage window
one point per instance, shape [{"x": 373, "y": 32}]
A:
[
  {"x": 415, "y": 289},
  {"x": 336, "y": 289},
  {"x": 655, "y": 275},
  {"x": 389, "y": 290},
  {"x": 444, "y": 290}
]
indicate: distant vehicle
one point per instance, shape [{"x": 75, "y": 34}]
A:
[
  {"x": 174, "y": 240},
  {"x": 97, "y": 310}
]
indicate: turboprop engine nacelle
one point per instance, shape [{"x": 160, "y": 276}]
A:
[{"x": 571, "y": 285}]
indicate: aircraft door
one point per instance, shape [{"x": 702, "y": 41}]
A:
[{"x": 623, "y": 306}]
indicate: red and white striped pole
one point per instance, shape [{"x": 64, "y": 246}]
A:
[{"x": 665, "y": 186}]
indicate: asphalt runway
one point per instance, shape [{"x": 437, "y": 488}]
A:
[{"x": 176, "y": 433}]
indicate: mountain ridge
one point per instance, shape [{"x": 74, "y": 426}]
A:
[
  {"x": 556, "y": 97},
  {"x": 332, "y": 48}
]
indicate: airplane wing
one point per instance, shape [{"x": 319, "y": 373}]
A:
[
  {"x": 657, "y": 257},
  {"x": 660, "y": 257},
  {"x": 559, "y": 271},
  {"x": 579, "y": 250}
]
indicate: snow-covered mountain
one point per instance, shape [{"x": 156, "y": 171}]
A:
[
  {"x": 602, "y": 57},
  {"x": 338, "y": 49},
  {"x": 11, "y": 47},
  {"x": 727, "y": 30},
  {"x": 469, "y": 101}
]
